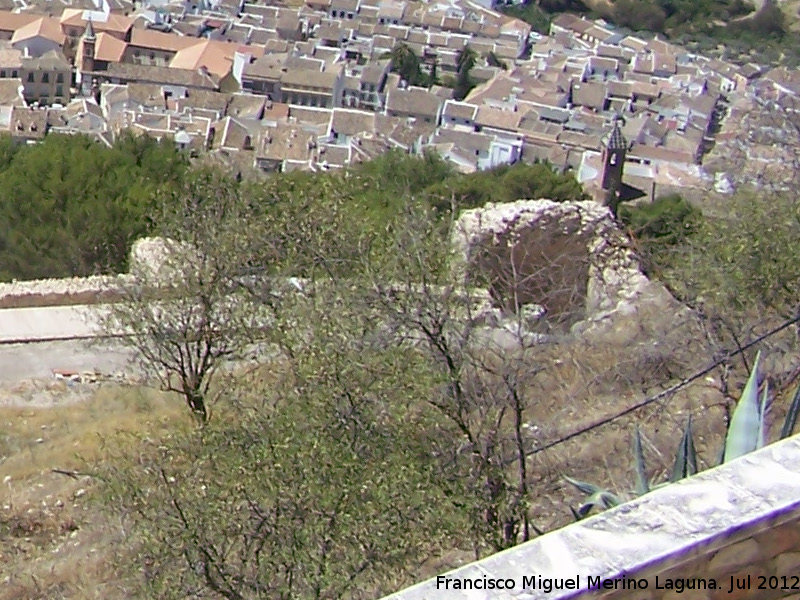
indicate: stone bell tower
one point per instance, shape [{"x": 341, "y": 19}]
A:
[
  {"x": 85, "y": 58},
  {"x": 613, "y": 154}
]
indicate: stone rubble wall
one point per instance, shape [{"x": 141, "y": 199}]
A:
[
  {"x": 61, "y": 292},
  {"x": 616, "y": 288},
  {"x": 147, "y": 253}
]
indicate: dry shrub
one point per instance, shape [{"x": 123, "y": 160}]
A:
[{"x": 546, "y": 265}]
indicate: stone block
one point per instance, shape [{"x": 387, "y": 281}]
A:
[
  {"x": 788, "y": 564},
  {"x": 746, "y": 584},
  {"x": 687, "y": 595},
  {"x": 780, "y": 539},
  {"x": 734, "y": 557}
]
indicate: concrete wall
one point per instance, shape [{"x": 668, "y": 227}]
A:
[{"x": 739, "y": 522}]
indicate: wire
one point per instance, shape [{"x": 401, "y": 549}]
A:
[{"x": 664, "y": 393}]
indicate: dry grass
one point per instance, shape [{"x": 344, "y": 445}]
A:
[{"x": 53, "y": 542}]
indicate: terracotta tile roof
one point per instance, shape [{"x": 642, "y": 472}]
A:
[
  {"x": 108, "y": 48},
  {"x": 156, "y": 40},
  {"x": 498, "y": 119},
  {"x": 12, "y": 21},
  {"x": 246, "y": 106},
  {"x": 215, "y": 56},
  {"x": 114, "y": 23},
  {"x": 459, "y": 110},
  {"x": 413, "y": 101},
  {"x": 53, "y": 60},
  {"x": 308, "y": 78},
  {"x": 127, "y": 72},
  {"x": 10, "y": 58},
  {"x": 44, "y": 27}
]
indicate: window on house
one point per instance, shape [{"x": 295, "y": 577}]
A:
[
  {"x": 14, "y": 74},
  {"x": 45, "y": 77},
  {"x": 59, "y": 90},
  {"x": 3, "y": 74},
  {"x": 614, "y": 158},
  {"x": 152, "y": 56},
  {"x": 60, "y": 78},
  {"x": 30, "y": 77}
]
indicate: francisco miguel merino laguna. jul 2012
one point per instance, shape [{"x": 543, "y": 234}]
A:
[{"x": 550, "y": 584}]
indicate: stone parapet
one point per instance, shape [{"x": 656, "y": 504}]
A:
[{"x": 732, "y": 532}]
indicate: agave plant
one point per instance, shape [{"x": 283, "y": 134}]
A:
[{"x": 746, "y": 432}]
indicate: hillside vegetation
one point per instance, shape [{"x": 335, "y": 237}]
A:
[
  {"x": 346, "y": 428},
  {"x": 735, "y": 30}
]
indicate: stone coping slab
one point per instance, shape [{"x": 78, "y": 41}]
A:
[{"x": 669, "y": 526}]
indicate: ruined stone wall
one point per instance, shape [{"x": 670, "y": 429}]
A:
[
  {"x": 146, "y": 253},
  {"x": 740, "y": 520},
  {"x": 61, "y": 292}
]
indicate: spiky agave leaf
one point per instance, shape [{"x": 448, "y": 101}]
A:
[
  {"x": 642, "y": 485},
  {"x": 745, "y": 430},
  {"x": 602, "y": 500},
  {"x": 587, "y": 488},
  {"x": 791, "y": 416},
  {"x": 686, "y": 458},
  {"x": 762, "y": 416}
]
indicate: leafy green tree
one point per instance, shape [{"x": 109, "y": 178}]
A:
[
  {"x": 640, "y": 15},
  {"x": 83, "y": 209},
  {"x": 315, "y": 490},
  {"x": 408, "y": 65},
  {"x": 185, "y": 314},
  {"x": 669, "y": 220},
  {"x": 503, "y": 184},
  {"x": 467, "y": 57},
  {"x": 743, "y": 261}
]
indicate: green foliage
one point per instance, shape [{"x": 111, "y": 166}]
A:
[
  {"x": 746, "y": 433},
  {"x": 738, "y": 265},
  {"x": 686, "y": 458},
  {"x": 791, "y": 416},
  {"x": 598, "y": 498},
  {"x": 409, "y": 66},
  {"x": 503, "y": 184},
  {"x": 532, "y": 14},
  {"x": 313, "y": 479},
  {"x": 639, "y": 15},
  {"x": 464, "y": 82},
  {"x": 700, "y": 25},
  {"x": 685, "y": 465},
  {"x": 667, "y": 220},
  {"x": 299, "y": 496},
  {"x": 746, "y": 430},
  {"x": 70, "y": 206}
]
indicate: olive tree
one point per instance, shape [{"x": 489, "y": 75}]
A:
[{"x": 182, "y": 310}]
